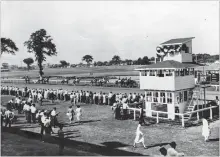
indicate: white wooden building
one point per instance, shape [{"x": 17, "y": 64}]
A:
[{"x": 169, "y": 84}]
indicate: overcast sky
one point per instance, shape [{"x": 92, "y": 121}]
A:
[{"x": 103, "y": 29}]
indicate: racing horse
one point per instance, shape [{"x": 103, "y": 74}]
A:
[
  {"x": 99, "y": 82},
  {"x": 65, "y": 80},
  {"x": 43, "y": 80},
  {"x": 27, "y": 79},
  {"x": 124, "y": 82},
  {"x": 76, "y": 81}
]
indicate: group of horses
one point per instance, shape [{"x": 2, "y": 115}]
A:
[
  {"x": 95, "y": 81},
  {"x": 124, "y": 82}
]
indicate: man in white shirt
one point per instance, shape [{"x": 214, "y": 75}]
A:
[
  {"x": 71, "y": 98},
  {"x": 40, "y": 98},
  {"x": 43, "y": 121},
  {"x": 25, "y": 107},
  {"x": 33, "y": 113},
  {"x": 134, "y": 97},
  {"x": 9, "y": 115},
  {"x": 109, "y": 98},
  {"x": 124, "y": 107},
  {"x": 87, "y": 97},
  {"x": 53, "y": 117},
  {"x": 19, "y": 105}
]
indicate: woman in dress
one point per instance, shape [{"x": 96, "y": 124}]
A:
[
  {"x": 78, "y": 113},
  {"x": 139, "y": 136},
  {"x": 70, "y": 114},
  {"x": 205, "y": 129}
]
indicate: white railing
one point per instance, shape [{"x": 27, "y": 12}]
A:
[{"x": 176, "y": 114}]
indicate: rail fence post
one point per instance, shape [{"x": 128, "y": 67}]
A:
[
  {"x": 157, "y": 117},
  {"x": 197, "y": 115},
  {"x": 210, "y": 113},
  {"x": 183, "y": 120},
  {"x": 134, "y": 114}
]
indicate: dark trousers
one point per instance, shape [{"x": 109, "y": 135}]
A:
[
  {"x": 2, "y": 119},
  {"x": 33, "y": 116},
  {"x": 26, "y": 115},
  {"x": 7, "y": 121},
  {"x": 29, "y": 116},
  {"x": 53, "y": 121},
  {"x": 124, "y": 113},
  {"x": 42, "y": 130}
]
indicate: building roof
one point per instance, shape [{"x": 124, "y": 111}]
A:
[
  {"x": 177, "y": 41},
  {"x": 169, "y": 64},
  {"x": 212, "y": 67}
]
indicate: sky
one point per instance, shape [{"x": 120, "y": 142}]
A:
[{"x": 130, "y": 29}]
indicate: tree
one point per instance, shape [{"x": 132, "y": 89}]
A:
[
  {"x": 139, "y": 61},
  {"x": 41, "y": 45},
  {"x": 28, "y": 61},
  {"x": 64, "y": 63},
  {"x": 145, "y": 60},
  {"x": 128, "y": 61},
  {"x": 7, "y": 45},
  {"x": 152, "y": 59},
  {"x": 88, "y": 59},
  {"x": 105, "y": 63},
  {"x": 116, "y": 59},
  {"x": 99, "y": 63}
]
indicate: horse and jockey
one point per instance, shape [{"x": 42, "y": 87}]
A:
[
  {"x": 27, "y": 79},
  {"x": 125, "y": 82},
  {"x": 65, "y": 80},
  {"x": 43, "y": 80},
  {"x": 76, "y": 81},
  {"x": 99, "y": 82}
]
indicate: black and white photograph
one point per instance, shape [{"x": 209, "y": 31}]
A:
[{"x": 110, "y": 78}]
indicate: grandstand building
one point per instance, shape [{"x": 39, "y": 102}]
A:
[{"x": 169, "y": 84}]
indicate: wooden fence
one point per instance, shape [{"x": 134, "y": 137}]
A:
[{"x": 176, "y": 114}]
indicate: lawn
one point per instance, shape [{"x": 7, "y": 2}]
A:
[{"x": 101, "y": 134}]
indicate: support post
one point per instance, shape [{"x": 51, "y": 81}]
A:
[
  {"x": 134, "y": 114},
  {"x": 210, "y": 113},
  {"x": 197, "y": 115},
  {"x": 157, "y": 117},
  {"x": 183, "y": 125}
]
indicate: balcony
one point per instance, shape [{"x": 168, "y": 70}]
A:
[{"x": 166, "y": 83}]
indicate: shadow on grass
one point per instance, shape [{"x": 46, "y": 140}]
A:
[
  {"x": 157, "y": 145},
  {"x": 113, "y": 144},
  {"x": 90, "y": 121},
  {"x": 84, "y": 146},
  {"x": 215, "y": 139}
]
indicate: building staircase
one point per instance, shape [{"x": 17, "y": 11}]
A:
[{"x": 195, "y": 100}]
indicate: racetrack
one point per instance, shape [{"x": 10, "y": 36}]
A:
[{"x": 78, "y": 71}]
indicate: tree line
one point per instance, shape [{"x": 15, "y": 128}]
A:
[{"x": 41, "y": 45}]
